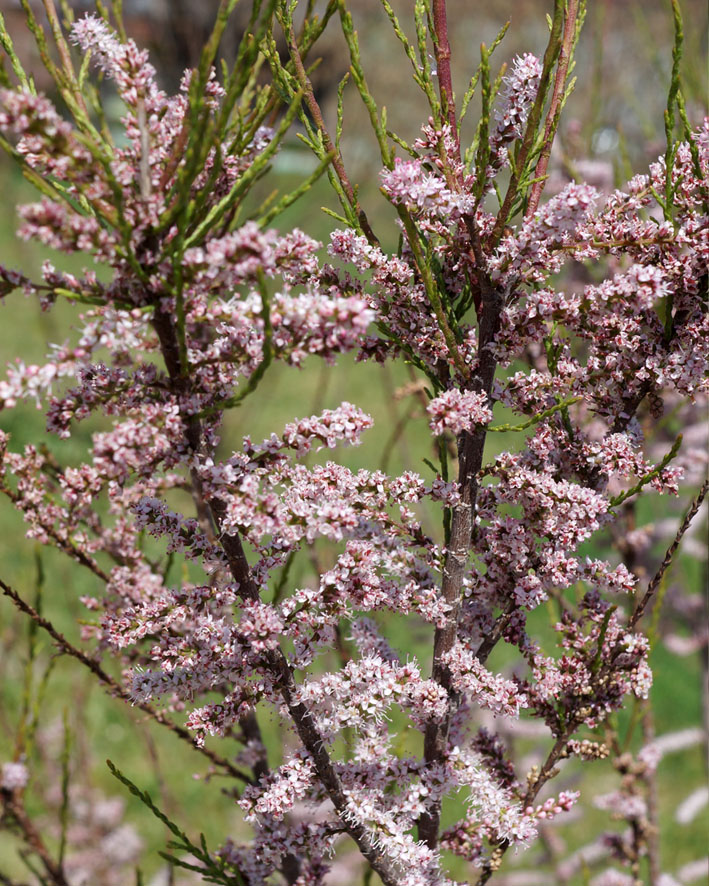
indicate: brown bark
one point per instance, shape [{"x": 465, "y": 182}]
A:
[
  {"x": 471, "y": 447},
  {"x": 274, "y": 660}
]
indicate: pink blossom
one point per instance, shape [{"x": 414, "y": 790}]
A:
[
  {"x": 494, "y": 692},
  {"x": 408, "y": 183},
  {"x": 519, "y": 89},
  {"x": 14, "y": 776},
  {"x": 458, "y": 411}
]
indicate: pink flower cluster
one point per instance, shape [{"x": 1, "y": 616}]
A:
[
  {"x": 13, "y": 776},
  {"x": 458, "y": 411},
  {"x": 519, "y": 90},
  {"x": 408, "y": 183}
]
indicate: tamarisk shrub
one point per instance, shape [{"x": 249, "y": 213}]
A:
[{"x": 201, "y": 299}]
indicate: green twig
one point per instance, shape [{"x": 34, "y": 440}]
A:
[
  {"x": 647, "y": 478},
  {"x": 540, "y": 416},
  {"x": 470, "y": 91},
  {"x": 9, "y": 48},
  {"x": 669, "y": 115},
  {"x": 64, "y": 807},
  {"x": 212, "y": 870},
  {"x": 288, "y": 199}
]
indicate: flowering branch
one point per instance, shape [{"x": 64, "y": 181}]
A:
[
  {"x": 558, "y": 95},
  {"x": 114, "y": 688},
  {"x": 200, "y": 299},
  {"x": 550, "y": 59},
  {"x": 274, "y": 659}
]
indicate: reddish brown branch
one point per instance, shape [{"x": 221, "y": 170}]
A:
[
  {"x": 13, "y": 808},
  {"x": 315, "y": 112},
  {"x": 557, "y": 96},
  {"x": 115, "y": 688},
  {"x": 669, "y": 556},
  {"x": 442, "y": 49},
  {"x": 470, "y": 447}
]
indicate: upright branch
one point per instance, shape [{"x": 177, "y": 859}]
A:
[
  {"x": 442, "y": 49},
  {"x": 331, "y": 150},
  {"x": 519, "y": 169},
  {"x": 558, "y": 95},
  {"x": 471, "y": 447}
]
